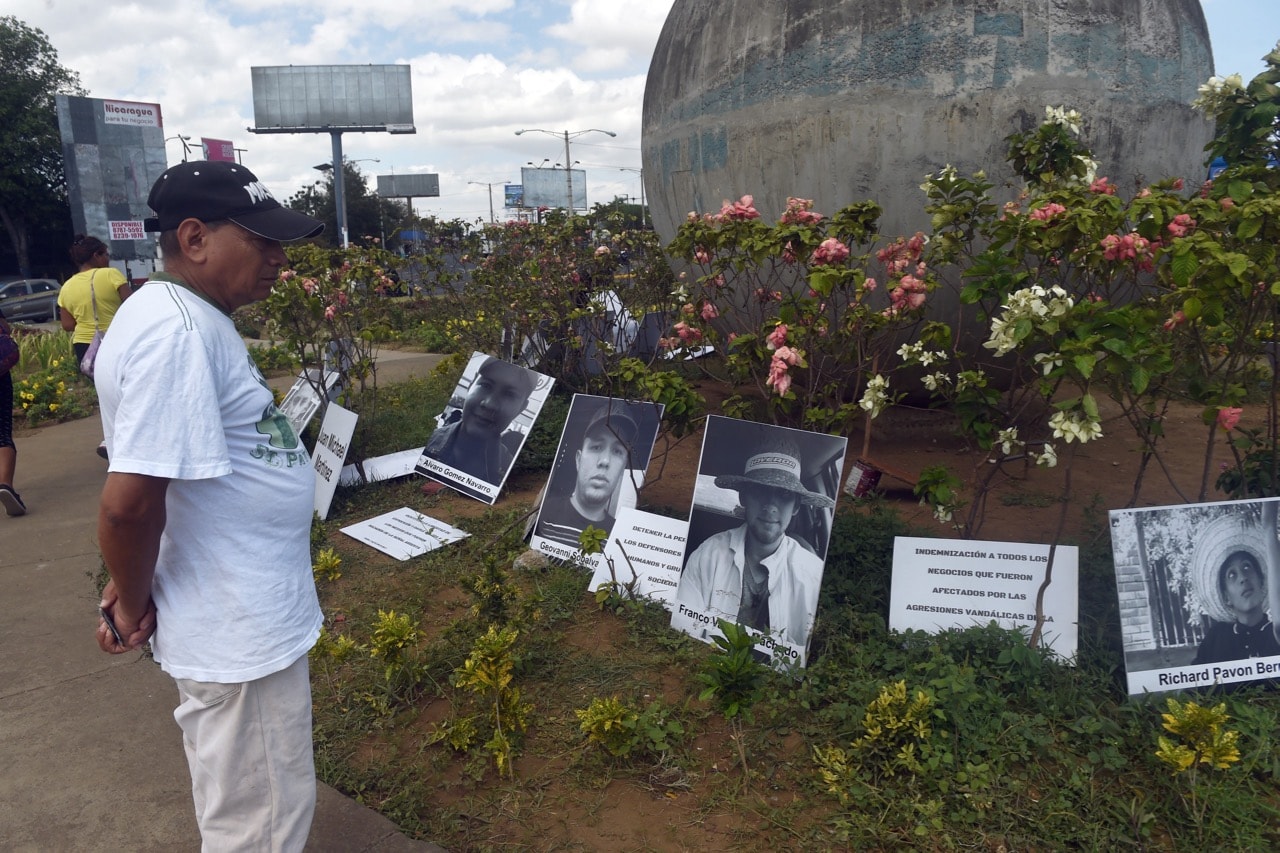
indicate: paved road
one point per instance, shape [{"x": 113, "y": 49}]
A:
[{"x": 91, "y": 756}]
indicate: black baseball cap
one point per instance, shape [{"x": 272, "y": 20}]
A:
[
  {"x": 212, "y": 191},
  {"x": 613, "y": 419}
]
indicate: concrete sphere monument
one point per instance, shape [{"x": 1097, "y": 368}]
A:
[{"x": 846, "y": 100}]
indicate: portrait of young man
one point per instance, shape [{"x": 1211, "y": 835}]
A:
[
  {"x": 1198, "y": 587},
  {"x": 474, "y": 449},
  {"x": 604, "y": 451},
  {"x": 758, "y": 533}
]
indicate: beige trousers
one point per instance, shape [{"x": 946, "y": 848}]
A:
[{"x": 249, "y": 750}]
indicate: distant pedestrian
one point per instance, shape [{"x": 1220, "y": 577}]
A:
[
  {"x": 11, "y": 500},
  {"x": 89, "y": 299},
  {"x": 205, "y": 517}
]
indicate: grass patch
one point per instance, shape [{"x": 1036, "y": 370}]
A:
[{"x": 986, "y": 744}]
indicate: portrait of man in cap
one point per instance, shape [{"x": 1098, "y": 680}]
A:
[
  {"x": 761, "y": 572},
  {"x": 605, "y": 444}
]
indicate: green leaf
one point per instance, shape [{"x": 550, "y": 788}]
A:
[
  {"x": 1139, "y": 378},
  {"x": 1084, "y": 364},
  {"x": 1184, "y": 266},
  {"x": 1238, "y": 264},
  {"x": 1089, "y": 405},
  {"x": 1192, "y": 307},
  {"x": 1213, "y": 313},
  {"x": 1239, "y": 191},
  {"x": 1249, "y": 228}
]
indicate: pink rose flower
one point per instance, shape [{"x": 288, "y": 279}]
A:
[
  {"x": 1228, "y": 418},
  {"x": 830, "y": 251},
  {"x": 688, "y": 334},
  {"x": 786, "y": 355},
  {"x": 1181, "y": 224},
  {"x": 778, "y": 337},
  {"x": 800, "y": 212},
  {"x": 709, "y": 311},
  {"x": 1049, "y": 211},
  {"x": 780, "y": 381}
]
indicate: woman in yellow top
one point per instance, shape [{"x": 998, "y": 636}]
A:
[{"x": 97, "y": 281}]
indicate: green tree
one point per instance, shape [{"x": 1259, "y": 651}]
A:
[
  {"x": 620, "y": 214},
  {"x": 369, "y": 216},
  {"x": 32, "y": 182}
]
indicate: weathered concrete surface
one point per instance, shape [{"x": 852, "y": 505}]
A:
[{"x": 844, "y": 100}]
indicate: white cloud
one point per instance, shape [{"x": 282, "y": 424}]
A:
[{"x": 482, "y": 69}]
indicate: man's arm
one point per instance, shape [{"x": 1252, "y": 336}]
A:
[{"x": 131, "y": 517}]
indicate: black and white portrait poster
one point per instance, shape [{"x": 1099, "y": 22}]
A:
[
  {"x": 1198, "y": 586},
  {"x": 762, "y": 512},
  {"x": 600, "y": 464},
  {"x": 485, "y": 425}
]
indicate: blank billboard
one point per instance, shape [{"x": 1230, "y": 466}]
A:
[
  {"x": 409, "y": 186},
  {"x": 319, "y": 98},
  {"x": 548, "y": 188}
]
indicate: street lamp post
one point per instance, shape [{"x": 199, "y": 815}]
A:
[
  {"x": 640, "y": 172},
  {"x": 568, "y": 169},
  {"x": 184, "y": 139},
  {"x": 490, "y": 186}
]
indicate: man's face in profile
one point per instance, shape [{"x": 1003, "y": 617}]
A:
[
  {"x": 600, "y": 463},
  {"x": 493, "y": 401},
  {"x": 768, "y": 511}
]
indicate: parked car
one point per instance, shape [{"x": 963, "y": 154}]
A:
[{"x": 34, "y": 300}]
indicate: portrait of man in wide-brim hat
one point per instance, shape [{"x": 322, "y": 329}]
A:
[{"x": 758, "y": 573}]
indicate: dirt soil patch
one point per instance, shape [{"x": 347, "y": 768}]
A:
[{"x": 566, "y": 797}]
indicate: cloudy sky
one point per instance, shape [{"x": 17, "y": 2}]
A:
[{"x": 481, "y": 69}]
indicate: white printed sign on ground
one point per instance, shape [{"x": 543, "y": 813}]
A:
[
  {"x": 330, "y": 452},
  {"x": 644, "y": 553},
  {"x": 958, "y": 583},
  {"x": 404, "y": 533},
  {"x": 379, "y": 468}
]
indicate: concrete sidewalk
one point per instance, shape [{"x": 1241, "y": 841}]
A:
[{"x": 91, "y": 756}]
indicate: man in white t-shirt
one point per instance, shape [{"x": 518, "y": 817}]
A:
[{"x": 205, "y": 516}]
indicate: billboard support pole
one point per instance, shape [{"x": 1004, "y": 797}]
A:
[{"x": 339, "y": 188}]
